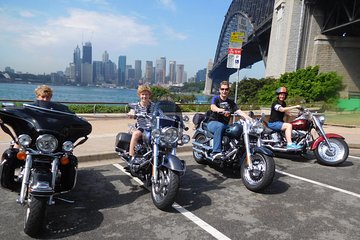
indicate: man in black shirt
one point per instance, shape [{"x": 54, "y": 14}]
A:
[{"x": 221, "y": 107}]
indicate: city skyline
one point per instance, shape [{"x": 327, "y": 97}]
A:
[{"x": 38, "y": 37}]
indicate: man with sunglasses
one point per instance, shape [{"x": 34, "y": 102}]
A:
[{"x": 221, "y": 107}]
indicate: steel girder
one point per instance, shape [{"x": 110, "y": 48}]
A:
[
  {"x": 259, "y": 13},
  {"x": 341, "y": 17}
]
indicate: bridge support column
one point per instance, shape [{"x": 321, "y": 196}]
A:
[{"x": 342, "y": 55}]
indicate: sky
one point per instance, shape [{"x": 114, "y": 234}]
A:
[{"x": 39, "y": 36}]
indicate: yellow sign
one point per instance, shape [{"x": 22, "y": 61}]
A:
[{"x": 238, "y": 37}]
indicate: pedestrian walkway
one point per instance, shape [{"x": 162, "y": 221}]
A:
[{"x": 105, "y": 127}]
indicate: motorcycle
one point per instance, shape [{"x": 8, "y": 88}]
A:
[
  {"x": 39, "y": 164},
  {"x": 155, "y": 162},
  {"x": 329, "y": 148},
  {"x": 256, "y": 164}
]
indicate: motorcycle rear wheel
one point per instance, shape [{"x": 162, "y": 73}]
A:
[
  {"x": 199, "y": 158},
  {"x": 339, "y": 155},
  {"x": 163, "y": 192},
  {"x": 35, "y": 215},
  {"x": 261, "y": 175}
]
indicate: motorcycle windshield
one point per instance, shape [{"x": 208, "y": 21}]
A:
[
  {"x": 169, "y": 111},
  {"x": 52, "y": 118}
]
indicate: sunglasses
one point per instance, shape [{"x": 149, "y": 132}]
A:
[{"x": 224, "y": 89}]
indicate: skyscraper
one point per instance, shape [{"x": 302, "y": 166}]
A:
[
  {"x": 179, "y": 73},
  {"x": 148, "y": 72},
  {"x": 172, "y": 72},
  {"x": 77, "y": 64},
  {"x": 208, "y": 81},
  {"x": 138, "y": 71},
  {"x": 121, "y": 70},
  {"x": 160, "y": 70},
  {"x": 86, "y": 65}
]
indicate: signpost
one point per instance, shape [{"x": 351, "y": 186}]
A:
[{"x": 235, "y": 47}]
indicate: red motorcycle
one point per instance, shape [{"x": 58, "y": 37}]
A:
[{"x": 329, "y": 148}]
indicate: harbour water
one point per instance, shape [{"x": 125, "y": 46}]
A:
[{"x": 21, "y": 91}]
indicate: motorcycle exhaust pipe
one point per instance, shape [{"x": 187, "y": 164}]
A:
[
  {"x": 201, "y": 146},
  {"x": 277, "y": 149}
]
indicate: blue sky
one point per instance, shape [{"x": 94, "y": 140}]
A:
[{"x": 39, "y": 36}]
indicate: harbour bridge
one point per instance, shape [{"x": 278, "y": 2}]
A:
[{"x": 289, "y": 34}]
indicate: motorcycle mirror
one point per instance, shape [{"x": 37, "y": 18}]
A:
[{"x": 132, "y": 105}]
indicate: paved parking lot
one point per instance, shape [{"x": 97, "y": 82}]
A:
[{"x": 305, "y": 201}]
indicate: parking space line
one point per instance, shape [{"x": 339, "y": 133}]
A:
[
  {"x": 320, "y": 184},
  {"x": 354, "y": 157},
  {"x": 198, "y": 221}
]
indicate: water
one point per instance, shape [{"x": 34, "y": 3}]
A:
[{"x": 21, "y": 91}]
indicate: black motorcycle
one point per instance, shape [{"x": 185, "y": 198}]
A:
[
  {"x": 256, "y": 164},
  {"x": 39, "y": 164},
  {"x": 155, "y": 162}
]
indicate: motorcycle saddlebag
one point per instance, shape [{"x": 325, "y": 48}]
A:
[
  {"x": 122, "y": 142},
  {"x": 198, "y": 118}
]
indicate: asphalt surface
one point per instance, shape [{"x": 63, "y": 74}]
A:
[{"x": 306, "y": 200}]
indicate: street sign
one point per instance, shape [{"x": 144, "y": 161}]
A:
[{"x": 233, "y": 61}]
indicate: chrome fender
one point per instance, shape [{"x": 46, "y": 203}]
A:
[
  {"x": 321, "y": 138},
  {"x": 174, "y": 163},
  {"x": 263, "y": 150}
]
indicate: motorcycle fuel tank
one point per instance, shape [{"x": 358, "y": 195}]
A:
[{"x": 300, "y": 124}]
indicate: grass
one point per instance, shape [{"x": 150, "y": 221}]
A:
[{"x": 343, "y": 118}]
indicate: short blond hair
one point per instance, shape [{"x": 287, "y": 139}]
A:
[
  {"x": 43, "y": 90},
  {"x": 224, "y": 83},
  {"x": 143, "y": 88}
]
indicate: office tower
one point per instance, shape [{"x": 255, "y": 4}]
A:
[
  {"x": 160, "y": 70},
  {"x": 208, "y": 81},
  {"x": 172, "y": 72},
  {"x": 77, "y": 65},
  {"x": 105, "y": 56},
  {"x": 121, "y": 70},
  {"x": 98, "y": 72},
  {"x": 138, "y": 71},
  {"x": 179, "y": 73},
  {"x": 110, "y": 75},
  {"x": 86, "y": 65},
  {"x": 148, "y": 72}
]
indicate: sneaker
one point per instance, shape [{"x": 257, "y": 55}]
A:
[{"x": 293, "y": 146}]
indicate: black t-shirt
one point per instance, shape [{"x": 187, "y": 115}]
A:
[
  {"x": 228, "y": 104},
  {"x": 275, "y": 114}
]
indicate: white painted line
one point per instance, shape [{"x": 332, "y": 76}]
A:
[
  {"x": 320, "y": 184},
  {"x": 354, "y": 157},
  {"x": 215, "y": 233},
  {"x": 198, "y": 221}
]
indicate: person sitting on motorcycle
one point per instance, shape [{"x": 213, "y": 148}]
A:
[
  {"x": 276, "y": 121},
  {"x": 144, "y": 106},
  {"x": 221, "y": 107},
  {"x": 43, "y": 95}
]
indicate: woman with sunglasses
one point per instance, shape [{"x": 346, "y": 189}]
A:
[{"x": 221, "y": 107}]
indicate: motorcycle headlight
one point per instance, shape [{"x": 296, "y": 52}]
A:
[
  {"x": 185, "y": 139},
  {"x": 155, "y": 133},
  {"x": 321, "y": 120},
  {"x": 169, "y": 135},
  {"x": 24, "y": 140},
  {"x": 68, "y": 146},
  {"x": 46, "y": 143},
  {"x": 258, "y": 128}
]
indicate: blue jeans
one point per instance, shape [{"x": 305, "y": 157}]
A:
[{"x": 217, "y": 129}]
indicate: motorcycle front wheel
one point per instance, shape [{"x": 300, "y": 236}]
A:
[
  {"x": 35, "y": 215},
  {"x": 164, "y": 190},
  {"x": 335, "y": 156},
  {"x": 262, "y": 173}
]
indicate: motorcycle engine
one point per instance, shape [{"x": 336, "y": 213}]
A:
[{"x": 135, "y": 165}]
